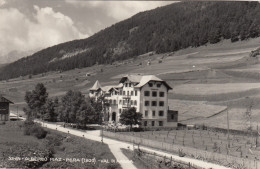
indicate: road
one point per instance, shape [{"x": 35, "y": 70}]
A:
[{"x": 116, "y": 145}]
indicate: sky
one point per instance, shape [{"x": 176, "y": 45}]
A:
[{"x": 27, "y": 26}]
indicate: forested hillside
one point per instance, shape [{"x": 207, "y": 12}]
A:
[{"x": 164, "y": 29}]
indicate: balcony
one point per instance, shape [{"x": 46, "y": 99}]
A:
[
  {"x": 113, "y": 105},
  {"x": 127, "y": 97},
  {"x": 127, "y": 105}
]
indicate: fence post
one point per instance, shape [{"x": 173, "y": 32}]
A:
[{"x": 171, "y": 160}]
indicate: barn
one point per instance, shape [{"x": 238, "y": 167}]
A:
[{"x": 4, "y": 108}]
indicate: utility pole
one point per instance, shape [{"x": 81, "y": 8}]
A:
[
  {"x": 228, "y": 127},
  {"x": 102, "y": 134},
  {"x": 17, "y": 113},
  {"x": 257, "y": 134}
]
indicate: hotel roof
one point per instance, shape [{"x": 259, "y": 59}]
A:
[
  {"x": 148, "y": 78},
  {"x": 96, "y": 86},
  {"x": 142, "y": 80}
]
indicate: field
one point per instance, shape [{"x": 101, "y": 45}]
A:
[
  {"x": 215, "y": 144},
  {"x": 19, "y": 150},
  {"x": 205, "y": 80}
]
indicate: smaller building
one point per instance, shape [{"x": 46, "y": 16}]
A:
[{"x": 4, "y": 108}]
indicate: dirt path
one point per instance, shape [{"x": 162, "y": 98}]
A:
[{"x": 115, "y": 147}]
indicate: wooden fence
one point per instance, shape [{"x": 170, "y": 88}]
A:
[{"x": 227, "y": 160}]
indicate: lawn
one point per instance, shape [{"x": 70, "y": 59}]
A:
[
  {"x": 194, "y": 109},
  {"x": 56, "y": 150},
  {"x": 199, "y": 90}
]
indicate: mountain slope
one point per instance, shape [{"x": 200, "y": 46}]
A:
[{"x": 164, "y": 29}]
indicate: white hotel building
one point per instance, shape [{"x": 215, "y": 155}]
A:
[{"x": 148, "y": 94}]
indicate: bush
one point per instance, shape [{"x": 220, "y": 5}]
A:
[
  {"x": 137, "y": 129},
  {"x": 34, "y": 130},
  {"x": 3, "y": 123},
  {"x": 54, "y": 140},
  {"x": 38, "y": 132}
]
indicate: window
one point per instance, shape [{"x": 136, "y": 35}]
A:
[
  {"x": 154, "y": 94},
  {"x": 160, "y": 123},
  {"x": 153, "y": 113},
  {"x": 161, "y": 103},
  {"x": 172, "y": 116},
  {"x": 135, "y": 102},
  {"x": 154, "y": 103},
  {"x": 129, "y": 84},
  {"x": 158, "y": 85},
  {"x": 161, "y": 113},
  {"x": 146, "y": 93},
  {"x": 120, "y": 92},
  {"x": 135, "y": 92},
  {"x": 150, "y": 84},
  {"x": 152, "y": 123},
  {"x": 145, "y": 123},
  {"x": 126, "y": 85},
  {"x": 120, "y": 101},
  {"x": 132, "y": 93},
  {"x": 146, "y": 103},
  {"x": 123, "y": 102},
  {"x": 127, "y": 93},
  {"x": 120, "y": 111},
  {"x": 146, "y": 113},
  {"x": 124, "y": 93},
  {"x": 131, "y": 102},
  {"x": 161, "y": 94},
  {"x": 114, "y": 101}
]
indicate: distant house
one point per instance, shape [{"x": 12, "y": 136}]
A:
[
  {"x": 4, "y": 108},
  {"x": 148, "y": 94}
]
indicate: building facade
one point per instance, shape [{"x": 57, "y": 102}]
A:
[
  {"x": 4, "y": 108},
  {"x": 148, "y": 94}
]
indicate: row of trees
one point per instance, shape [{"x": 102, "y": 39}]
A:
[{"x": 73, "y": 107}]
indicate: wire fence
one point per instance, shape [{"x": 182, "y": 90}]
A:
[
  {"x": 214, "y": 157},
  {"x": 157, "y": 161}
]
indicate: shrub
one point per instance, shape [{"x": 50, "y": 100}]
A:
[
  {"x": 54, "y": 140},
  {"x": 34, "y": 130},
  {"x": 137, "y": 129},
  {"x": 112, "y": 166},
  {"x": 38, "y": 132}
]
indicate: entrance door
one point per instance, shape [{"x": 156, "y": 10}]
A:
[{"x": 114, "y": 116}]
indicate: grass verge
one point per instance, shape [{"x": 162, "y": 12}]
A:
[{"x": 56, "y": 150}]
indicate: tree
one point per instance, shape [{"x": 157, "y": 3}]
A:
[
  {"x": 85, "y": 114},
  {"x": 130, "y": 117},
  {"x": 73, "y": 108},
  {"x": 50, "y": 110},
  {"x": 36, "y": 100},
  {"x": 100, "y": 106}
]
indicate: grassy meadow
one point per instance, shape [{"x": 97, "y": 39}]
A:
[
  {"x": 205, "y": 81},
  {"x": 59, "y": 149}
]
